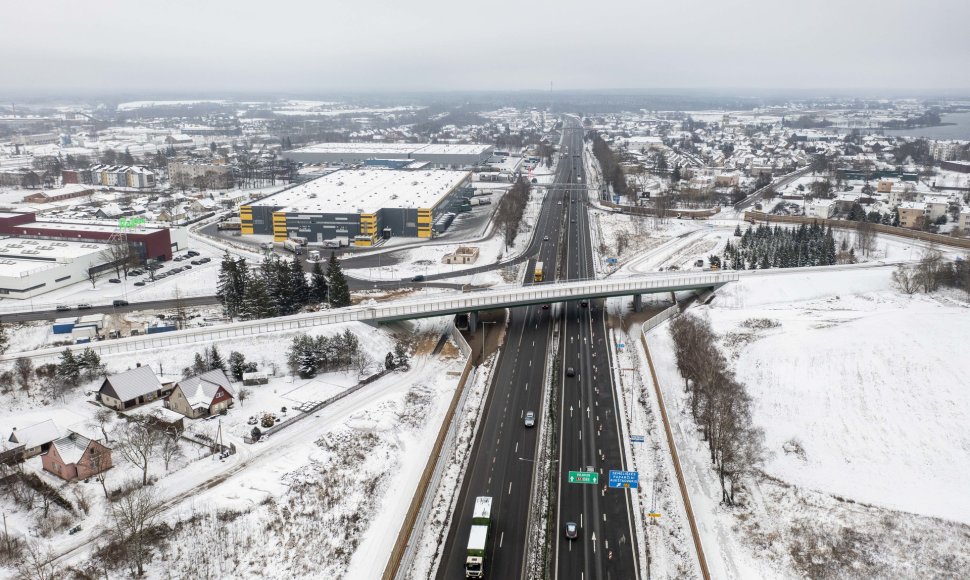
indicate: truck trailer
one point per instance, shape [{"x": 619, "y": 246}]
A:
[
  {"x": 478, "y": 538},
  {"x": 293, "y": 246}
]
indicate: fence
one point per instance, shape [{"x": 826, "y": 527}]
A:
[
  {"x": 428, "y": 306},
  {"x": 760, "y": 216},
  {"x": 405, "y": 545}
]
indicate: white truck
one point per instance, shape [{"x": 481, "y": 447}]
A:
[
  {"x": 266, "y": 246},
  {"x": 338, "y": 242},
  {"x": 478, "y": 538},
  {"x": 293, "y": 246}
]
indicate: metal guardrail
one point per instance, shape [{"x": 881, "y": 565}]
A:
[{"x": 428, "y": 306}]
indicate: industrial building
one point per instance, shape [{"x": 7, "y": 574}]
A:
[
  {"x": 32, "y": 267},
  {"x": 438, "y": 155},
  {"x": 362, "y": 205},
  {"x": 151, "y": 242}
]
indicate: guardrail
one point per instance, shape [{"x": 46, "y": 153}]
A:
[{"x": 429, "y": 306}]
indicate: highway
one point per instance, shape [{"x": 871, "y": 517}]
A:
[
  {"x": 502, "y": 460},
  {"x": 589, "y": 434}
]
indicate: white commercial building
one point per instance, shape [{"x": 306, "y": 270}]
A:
[{"x": 30, "y": 267}]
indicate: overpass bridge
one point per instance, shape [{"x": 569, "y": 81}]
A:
[{"x": 407, "y": 309}]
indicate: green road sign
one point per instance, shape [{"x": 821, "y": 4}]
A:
[{"x": 590, "y": 477}]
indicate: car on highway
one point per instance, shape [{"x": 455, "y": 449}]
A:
[
  {"x": 570, "y": 372},
  {"x": 545, "y": 238},
  {"x": 120, "y": 303},
  {"x": 572, "y": 530},
  {"x": 559, "y": 202},
  {"x": 114, "y": 281},
  {"x": 63, "y": 308},
  {"x": 418, "y": 278},
  {"x": 572, "y": 221},
  {"x": 545, "y": 306},
  {"x": 584, "y": 303},
  {"x": 84, "y": 306},
  {"x": 530, "y": 419}
]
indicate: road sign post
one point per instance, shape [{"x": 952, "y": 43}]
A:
[
  {"x": 636, "y": 439},
  {"x": 587, "y": 477},
  {"x": 624, "y": 479}
]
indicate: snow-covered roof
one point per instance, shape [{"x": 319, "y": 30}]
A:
[
  {"x": 131, "y": 384},
  {"x": 72, "y": 447},
  {"x": 201, "y": 389},
  {"x": 38, "y": 434}
]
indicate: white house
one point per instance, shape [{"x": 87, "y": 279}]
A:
[{"x": 820, "y": 208}]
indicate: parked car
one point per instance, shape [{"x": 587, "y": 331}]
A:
[
  {"x": 120, "y": 303},
  {"x": 205, "y": 260},
  {"x": 178, "y": 259},
  {"x": 63, "y": 308},
  {"x": 140, "y": 283},
  {"x": 530, "y": 419},
  {"x": 418, "y": 278},
  {"x": 135, "y": 272},
  {"x": 114, "y": 281},
  {"x": 191, "y": 253},
  {"x": 84, "y": 306},
  {"x": 196, "y": 262},
  {"x": 186, "y": 267}
]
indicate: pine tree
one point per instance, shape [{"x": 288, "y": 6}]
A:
[
  {"x": 215, "y": 359},
  {"x": 231, "y": 287},
  {"x": 299, "y": 287},
  {"x": 737, "y": 231},
  {"x": 401, "y": 356},
  {"x": 91, "y": 363},
  {"x": 318, "y": 284},
  {"x": 257, "y": 302},
  {"x": 389, "y": 361},
  {"x": 339, "y": 291},
  {"x": 829, "y": 248},
  {"x": 237, "y": 365},
  {"x": 4, "y": 339},
  {"x": 69, "y": 369},
  {"x": 285, "y": 298}
]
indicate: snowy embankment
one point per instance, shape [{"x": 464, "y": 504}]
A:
[{"x": 859, "y": 391}]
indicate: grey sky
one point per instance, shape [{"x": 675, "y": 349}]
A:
[{"x": 336, "y": 45}]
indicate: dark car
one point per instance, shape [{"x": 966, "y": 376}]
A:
[
  {"x": 418, "y": 278},
  {"x": 545, "y": 307},
  {"x": 186, "y": 267},
  {"x": 196, "y": 262},
  {"x": 572, "y": 220},
  {"x": 114, "y": 281},
  {"x": 584, "y": 303},
  {"x": 572, "y": 530},
  {"x": 178, "y": 259},
  {"x": 120, "y": 303},
  {"x": 140, "y": 283},
  {"x": 205, "y": 260},
  {"x": 135, "y": 272},
  {"x": 191, "y": 253},
  {"x": 570, "y": 372}
]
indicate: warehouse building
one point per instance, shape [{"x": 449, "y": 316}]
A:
[
  {"x": 30, "y": 267},
  {"x": 438, "y": 155},
  {"x": 362, "y": 205}
]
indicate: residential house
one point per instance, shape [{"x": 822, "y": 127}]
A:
[
  {"x": 34, "y": 439},
  {"x": 963, "y": 222},
  {"x": 131, "y": 388},
  {"x": 912, "y": 214},
  {"x": 76, "y": 457},
  {"x": 203, "y": 205},
  {"x": 202, "y": 395},
  {"x": 936, "y": 206},
  {"x": 820, "y": 208},
  {"x": 109, "y": 211}
]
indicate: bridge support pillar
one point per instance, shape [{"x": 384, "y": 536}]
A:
[
  {"x": 472, "y": 322},
  {"x": 638, "y": 302}
]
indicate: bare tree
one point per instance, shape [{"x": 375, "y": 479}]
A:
[
  {"x": 118, "y": 255},
  {"x": 100, "y": 463},
  {"x": 181, "y": 311},
  {"x": 930, "y": 270},
  {"x": 93, "y": 275},
  {"x": 102, "y": 418},
  {"x": 138, "y": 443},
  {"x": 37, "y": 563},
  {"x": 170, "y": 449},
  {"x": 865, "y": 236},
  {"x": 24, "y": 369},
  {"x": 362, "y": 362},
  {"x": 131, "y": 520},
  {"x": 905, "y": 279},
  {"x": 244, "y": 394}
]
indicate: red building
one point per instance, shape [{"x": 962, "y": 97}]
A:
[
  {"x": 154, "y": 243},
  {"x": 76, "y": 457}
]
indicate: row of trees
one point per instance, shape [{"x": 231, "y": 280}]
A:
[
  {"x": 933, "y": 272},
  {"x": 278, "y": 287},
  {"x": 309, "y": 355},
  {"x": 510, "y": 209},
  {"x": 610, "y": 165},
  {"x": 719, "y": 404},
  {"x": 776, "y": 247}
]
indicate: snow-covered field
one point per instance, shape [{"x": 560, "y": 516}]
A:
[{"x": 859, "y": 391}]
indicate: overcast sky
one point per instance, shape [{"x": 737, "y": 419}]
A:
[{"x": 192, "y": 46}]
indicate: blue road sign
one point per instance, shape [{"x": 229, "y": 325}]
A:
[
  {"x": 624, "y": 479},
  {"x": 636, "y": 438}
]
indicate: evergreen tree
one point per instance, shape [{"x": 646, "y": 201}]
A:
[
  {"x": 257, "y": 302},
  {"x": 91, "y": 363},
  {"x": 4, "y": 339},
  {"x": 339, "y": 291},
  {"x": 829, "y": 248},
  {"x": 237, "y": 365},
  {"x": 300, "y": 288},
  {"x": 675, "y": 175},
  {"x": 737, "y": 231},
  {"x": 215, "y": 359},
  {"x": 199, "y": 365},
  {"x": 285, "y": 298},
  {"x": 318, "y": 284},
  {"x": 389, "y": 361},
  {"x": 69, "y": 369},
  {"x": 231, "y": 286},
  {"x": 401, "y": 356}
]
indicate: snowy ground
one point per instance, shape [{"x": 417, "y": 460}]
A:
[{"x": 859, "y": 392}]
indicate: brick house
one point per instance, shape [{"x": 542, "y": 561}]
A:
[
  {"x": 201, "y": 395},
  {"x": 76, "y": 457}
]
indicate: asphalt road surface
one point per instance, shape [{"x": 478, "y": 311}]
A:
[{"x": 502, "y": 461}]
